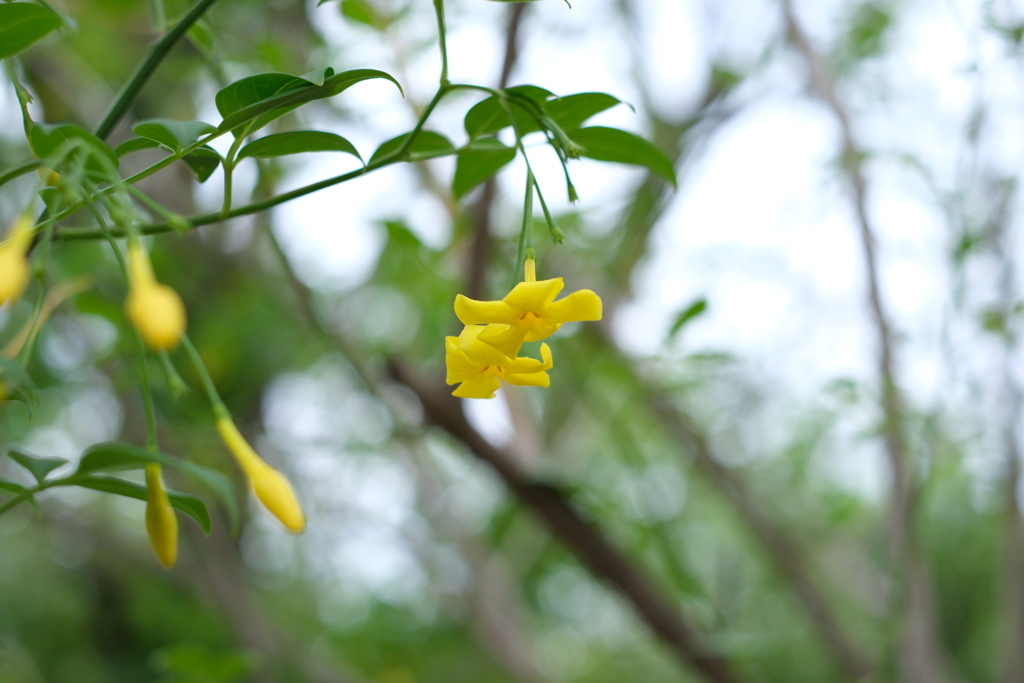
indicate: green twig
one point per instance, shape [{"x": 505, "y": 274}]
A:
[
  {"x": 443, "y": 41},
  {"x": 156, "y": 55}
]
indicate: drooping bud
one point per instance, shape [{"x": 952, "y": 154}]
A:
[
  {"x": 161, "y": 523},
  {"x": 155, "y": 310},
  {"x": 14, "y": 268},
  {"x": 270, "y": 486}
]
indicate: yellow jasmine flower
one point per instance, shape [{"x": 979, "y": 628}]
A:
[
  {"x": 271, "y": 487},
  {"x": 161, "y": 523},
  {"x": 14, "y": 268},
  {"x": 155, "y": 310},
  {"x": 528, "y": 313},
  {"x": 480, "y": 367}
]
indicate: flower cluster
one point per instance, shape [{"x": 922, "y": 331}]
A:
[{"x": 487, "y": 351}]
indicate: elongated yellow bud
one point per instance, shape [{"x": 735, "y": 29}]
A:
[
  {"x": 161, "y": 523},
  {"x": 14, "y": 268},
  {"x": 155, "y": 310},
  {"x": 271, "y": 487}
]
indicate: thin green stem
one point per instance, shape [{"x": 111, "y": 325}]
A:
[
  {"x": 157, "y": 16},
  {"x": 219, "y": 409},
  {"x": 229, "y": 169},
  {"x": 156, "y": 55},
  {"x": 443, "y": 41},
  {"x": 20, "y": 170},
  {"x": 23, "y": 98}
]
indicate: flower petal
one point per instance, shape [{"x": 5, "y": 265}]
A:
[
  {"x": 530, "y": 379},
  {"x": 506, "y": 338},
  {"x": 478, "y": 352},
  {"x": 482, "y": 386},
  {"x": 524, "y": 365},
  {"x": 542, "y": 331},
  {"x": 581, "y": 305},
  {"x": 473, "y": 312},
  {"x": 460, "y": 368},
  {"x": 533, "y": 296},
  {"x": 545, "y": 353}
]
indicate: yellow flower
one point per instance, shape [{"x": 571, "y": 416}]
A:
[
  {"x": 271, "y": 487},
  {"x": 528, "y": 313},
  {"x": 480, "y": 367},
  {"x": 14, "y": 268},
  {"x": 161, "y": 523},
  {"x": 154, "y": 309}
]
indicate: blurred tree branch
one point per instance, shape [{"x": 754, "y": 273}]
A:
[{"x": 919, "y": 653}]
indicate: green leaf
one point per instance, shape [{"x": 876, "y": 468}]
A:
[
  {"x": 297, "y": 142},
  {"x": 135, "y": 145},
  {"x": 18, "y": 490},
  {"x": 192, "y": 506},
  {"x": 23, "y": 23},
  {"x": 174, "y": 135},
  {"x": 427, "y": 145},
  {"x": 11, "y": 487},
  {"x": 571, "y": 111},
  {"x": 261, "y": 99},
  {"x": 39, "y": 467},
  {"x": 112, "y": 457},
  {"x": 478, "y": 162},
  {"x": 612, "y": 144},
  {"x": 202, "y": 36},
  {"x": 203, "y": 162},
  {"x": 361, "y": 12},
  {"x": 47, "y": 139},
  {"x": 489, "y": 116},
  {"x": 689, "y": 313}
]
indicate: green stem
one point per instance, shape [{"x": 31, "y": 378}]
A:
[
  {"x": 23, "y": 99},
  {"x": 156, "y": 55},
  {"x": 20, "y": 170},
  {"x": 219, "y": 409},
  {"x": 229, "y": 168},
  {"x": 443, "y": 40},
  {"x": 157, "y": 15}
]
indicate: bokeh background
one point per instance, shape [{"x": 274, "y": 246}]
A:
[{"x": 805, "y": 453}]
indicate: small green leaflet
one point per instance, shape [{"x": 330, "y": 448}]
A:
[
  {"x": 48, "y": 139},
  {"x": 258, "y": 100},
  {"x": 22, "y": 24},
  {"x": 489, "y": 116},
  {"x": 427, "y": 145},
  {"x": 112, "y": 457},
  {"x": 297, "y": 142},
  {"x": 612, "y": 144},
  {"x": 191, "y": 505},
  {"x": 174, "y": 135},
  {"x": 571, "y": 111},
  {"x": 39, "y": 467},
  {"x": 478, "y": 162},
  {"x": 686, "y": 315}
]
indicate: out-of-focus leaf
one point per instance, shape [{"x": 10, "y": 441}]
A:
[
  {"x": 39, "y": 467},
  {"x": 612, "y": 144},
  {"x": 191, "y": 505},
  {"x": 202, "y": 36},
  {"x": 174, "y": 135},
  {"x": 48, "y": 138},
  {"x": 261, "y": 99},
  {"x": 686, "y": 315},
  {"x": 475, "y": 164},
  {"x": 135, "y": 145},
  {"x": 113, "y": 457},
  {"x": 297, "y": 142},
  {"x": 427, "y": 145},
  {"x": 571, "y": 111},
  {"x": 22, "y": 24},
  {"x": 203, "y": 162}
]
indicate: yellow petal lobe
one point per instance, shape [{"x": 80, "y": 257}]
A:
[
  {"x": 532, "y": 297},
  {"x": 473, "y": 312},
  {"x": 578, "y": 306}
]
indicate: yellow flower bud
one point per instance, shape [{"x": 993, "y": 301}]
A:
[
  {"x": 14, "y": 268},
  {"x": 161, "y": 523},
  {"x": 270, "y": 486},
  {"x": 155, "y": 310}
]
